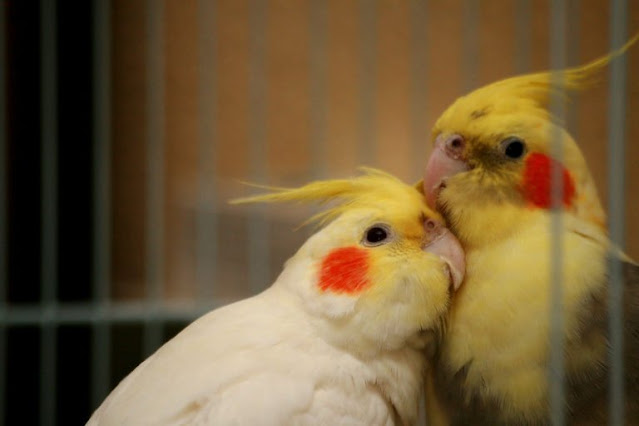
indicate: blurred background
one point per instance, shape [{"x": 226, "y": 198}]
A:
[{"x": 127, "y": 125}]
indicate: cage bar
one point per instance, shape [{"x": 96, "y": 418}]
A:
[
  {"x": 4, "y": 243},
  {"x": 368, "y": 11},
  {"x": 101, "y": 343},
  {"x": 318, "y": 87},
  {"x": 258, "y": 226},
  {"x": 134, "y": 312},
  {"x": 557, "y": 108},
  {"x": 419, "y": 78},
  {"x": 155, "y": 110},
  {"x": 49, "y": 207},
  {"x": 207, "y": 223},
  {"x": 616, "y": 207},
  {"x": 523, "y": 39},
  {"x": 470, "y": 46},
  {"x": 420, "y": 134}
]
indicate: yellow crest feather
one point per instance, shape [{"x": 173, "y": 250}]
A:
[
  {"x": 575, "y": 78},
  {"x": 375, "y": 188},
  {"x": 529, "y": 94},
  {"x": 583, "y": 76}
]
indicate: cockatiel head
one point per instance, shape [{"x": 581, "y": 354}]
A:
[
  {"x": 381, "y": 271},
  {"x": 492, "y": 163}
]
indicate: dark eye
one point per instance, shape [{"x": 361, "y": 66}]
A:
[
  {"x": 513, "y": 148},
  {"x": 376, "y": 235}
]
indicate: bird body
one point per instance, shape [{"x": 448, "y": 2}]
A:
[
  {"x": 230, "y": 366},
  {"x": 500, "y": 349},
  {"x": 339, "y": 338},
  {"x": 491, "y": 175}
]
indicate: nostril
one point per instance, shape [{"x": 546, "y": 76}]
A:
[
  {"x": 430, "y": 224},
  {"x": 456, "y": 143},
  {"x": 454, "y": 146},
  {"x": 434, "y": 230}
]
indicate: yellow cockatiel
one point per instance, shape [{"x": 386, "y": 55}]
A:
[{"x": 490, "y": 175}]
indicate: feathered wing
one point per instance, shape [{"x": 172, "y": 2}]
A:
[
  {"x": 588, "y": 395},
  {"x": 587, "y": 391},
  {"x": 252, "y": 362},
  {"x": 209, "y": 372}
]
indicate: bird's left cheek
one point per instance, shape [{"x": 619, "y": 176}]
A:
[{"x": 537, "y": 182}]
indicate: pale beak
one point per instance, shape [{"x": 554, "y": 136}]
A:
[
  {"x": 446, "y": 160},
  {"x": 441, "y": 242}
]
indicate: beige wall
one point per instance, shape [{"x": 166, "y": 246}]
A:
[{"x": 288, "y": 122}]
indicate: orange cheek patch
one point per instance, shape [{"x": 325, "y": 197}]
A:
[
  {"x": 537, "y": 181},
  {"x": 344, "y": 270}
]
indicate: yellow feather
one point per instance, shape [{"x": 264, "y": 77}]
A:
[
  {"x": 529, "y": 93},
  {"x": 375, "y": 188},
  {"x": 519, "y": 106},
  {"x": 499, "y": 323}
]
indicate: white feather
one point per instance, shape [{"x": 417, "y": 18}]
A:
[
  {"x": 228, "y": 368},
  {"x": 295, "y": 354}
]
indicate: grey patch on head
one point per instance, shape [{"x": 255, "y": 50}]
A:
[{"x": 479, "y": 113}]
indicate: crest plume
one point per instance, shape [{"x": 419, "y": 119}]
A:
[
  {"x": 530, "y": 93},
  {"x": 374, "y": 188}
]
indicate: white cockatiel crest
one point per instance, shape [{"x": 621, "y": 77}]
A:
[{"x": 339, "y": 338}]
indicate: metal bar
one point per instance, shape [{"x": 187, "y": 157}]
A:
[
  {"x": 419, "y": 77},
  {"x": 49, "y": 209},
  {"x": 152, "y": 337},
  {"x": 86, "y": 314},
  {"x": 470, "y": 46},
  {"x": 368, "y": 10},
  {"x": 420, "y": 133},
  {"x": 207, "y": 235},
  {"x": 258, "y": 227},
  {"x": 556, "y": 369},
  {"x": 319, "y": 87},
  {"x": 4, "y": 243},
  {"x": 616, "y": 206},
  {"x": 572, "y": 57},
  {"x": 101, "y": 344},
  {"x": 523, "y": 39}
]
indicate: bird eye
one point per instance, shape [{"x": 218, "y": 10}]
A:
[
  {"x": 376, "y": 235},
  {"x": 513, "y": 148}
]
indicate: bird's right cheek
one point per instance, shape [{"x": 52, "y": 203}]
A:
[{"x": 345, "y": 270}]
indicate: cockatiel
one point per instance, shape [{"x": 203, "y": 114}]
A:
[
  {"x": 339, "y": 338},
  {"x": 490, "y": 176}
]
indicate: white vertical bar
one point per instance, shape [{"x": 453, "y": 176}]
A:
[
  {"x": 368, "y": 10},
  {"x": 419, "y": 109},
  {"x": 207, "y": 247},
  {"x": 419, "y": 78},
  {"x": 49, "y": 209},
  {"x": 573, "y": 28},
  {"x": 319, "y": 87},
  {"x": 155, "y": 170},
  {"x": 470, "y": 46},
  {"x": 101, "y": 344},
  {"x": 616, "y": 206},
  {"x": 556, "y": 368},
  {"x": 258, "y": 227},
  {"x": 523, "y": 43},
  {"x": 4, "y": 243}
]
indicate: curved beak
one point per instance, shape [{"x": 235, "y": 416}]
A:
[
  {"x": 441, "y": 242},
  {"x": 445, "y": 161}
]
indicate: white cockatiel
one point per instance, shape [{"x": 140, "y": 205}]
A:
[{"x": 339, "y": 338}]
